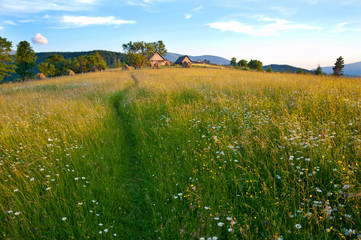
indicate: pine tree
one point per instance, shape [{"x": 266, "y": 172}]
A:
[
  {"x": 338, "y": 68},
  {"x": 25, "y": 60},
  {"x": 319, "y": 70}
]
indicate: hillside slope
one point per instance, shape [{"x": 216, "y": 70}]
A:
[
  {"x": 286, "y": 68},
  {"x": 353, "y": 69},
  {"x": 214, "y": 59}
]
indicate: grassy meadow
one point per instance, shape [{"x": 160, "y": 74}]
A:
[{"x": 181, "y": 154}]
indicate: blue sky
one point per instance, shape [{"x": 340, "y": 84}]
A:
[{"x": 302, "y": 33}]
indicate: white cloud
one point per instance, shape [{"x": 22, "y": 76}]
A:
[
  {"x": 284, "y": 11},
  {"x": 82, "y": 21},
  {"x": 9, "y": 7},
  {"x": 10, "y": 22},
  {"x": 1, "y": 28},
  {"x": 197, "y": 9},
  {"x": 272, "y": 29},
  {"x": 146, "y": 3},
  {"x": 86, "y": 1},
  {"x": 26, "y": 21},
  {"x": 188, "y": 16},
  {"x": 341, "y": 27},
  {"x": 39, "y": 39}
]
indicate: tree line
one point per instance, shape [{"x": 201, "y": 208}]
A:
[
  {"x": 57, "y": 65},
  {"x": 23, "y": 62},
  {"x": 245, "y": 65},
  {"x": 258, "y": 66}
]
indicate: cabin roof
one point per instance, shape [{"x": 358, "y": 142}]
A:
[
  {"x": 156, "y": 53},
  {"x": 181, "y": 59}
]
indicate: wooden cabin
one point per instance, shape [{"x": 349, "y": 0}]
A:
[
  {"x": 157, "y": 58},
  {"x": 183, "y": 59}
]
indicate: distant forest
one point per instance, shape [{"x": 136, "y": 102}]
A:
[
  {"x": 111, "y": 59},
  {"x": 286, "y": 68}
]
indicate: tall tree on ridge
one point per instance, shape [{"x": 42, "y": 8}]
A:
[{"x": 338, "y": 68}]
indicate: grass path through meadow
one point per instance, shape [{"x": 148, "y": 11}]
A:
[{"x": 138, "y": 220}]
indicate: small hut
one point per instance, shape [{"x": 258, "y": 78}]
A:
[
  {"x": 156, "y": 65},
  {"x": 183, "y": 59},
  {"x": 167, "y": 63},
  {"x": 157, "y": 58}
]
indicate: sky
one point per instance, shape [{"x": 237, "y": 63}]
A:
[{"x": 302, "y": 33}]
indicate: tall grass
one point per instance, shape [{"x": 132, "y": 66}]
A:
[
  {"x": 58, "y": 139},
  {"x": 238, "y": 155},
  {"x": 181, "y": 154}
]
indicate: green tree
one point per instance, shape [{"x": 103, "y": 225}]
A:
[
  {"x": 159, "y": 47},
  {"x": 233, "y": 62},
  {"x": 318, "y": 70},
  {"x": 269, "y": 69},
  {"x": 299, "y": 71},
  {"x": 47, "y": 69},
  {"x": 256, "y": 65},
  {"x": 119, "y": 63},
  {"x": 58, "y": 62},
  {"x": 138, "y": 53},
  {"x": 83, "y": 64},
  {"x": 282, "y": 71},
  {"x": 75, "y": 65},
  {"x": 25, "y": 60},
  {"x": 243, "y": 63},
  {"x": 68, "y": 64},
  {"x": 96, "y": 60},
  {"x": 114, "y": 63},
  {"x": 338, "y": 68},
  {"x": 6, "y": 66}
]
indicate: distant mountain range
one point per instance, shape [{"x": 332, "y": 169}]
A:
[
  {"x": 352, "y": 69},
  {"x": 213, "y": 59},
  {"x": 285, "y": 68}
]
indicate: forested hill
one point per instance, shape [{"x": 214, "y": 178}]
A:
[
  {"x": 108, "y": 56},
  {"x": 285, "y": 68}
]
